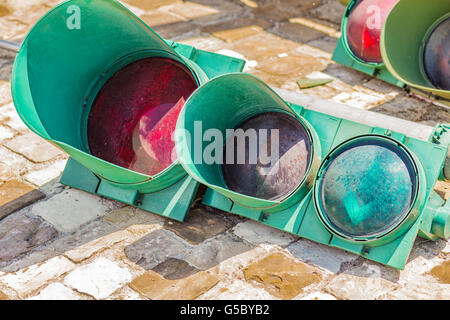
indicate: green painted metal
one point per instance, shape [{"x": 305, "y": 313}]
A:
[
  {"x": 428, "y": 216},
  {"x": 344, "y": 55},
  {"x": 172, "y": 202},
  {"x": 224, "y": 103},
  {"x": 403, "y": 38},
  {"x": 58, "y": 72}
]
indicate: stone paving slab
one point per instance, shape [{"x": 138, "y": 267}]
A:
[
  {"x": 327, "y": 258},
  {"x": 9, "y": 117},
  {"x": 99, "y": 278},
  {"x": 33, "y": 148},
  {"x": 12, "y": 189},
  {"x": 128, "y": 216},
  {"x": 71, "y": 209},
  {"x": 199, "y": 226},
  {"x": 318, "y": 296},
  {"x": 5, "y": 86},
  {"x": 39, "y": 177},
  {"x": 156, "y": 287},
  {"x": 156, "y": 248},
  {"x": 56, "y": 291},
  {"x": 5, "y": 173},
  {"x": 19, "y": 234},
  {"x": 358, "y": 288},
  {"x": 93, "y": 231},
  {"x": 73, "y": 245},
  {"x": 296, "y": 32},
  {"x": 257, "y": 233},
  {"x": 28, "y": 280},
  {"x": 216, "y": 250},
  {"x": 233, "y": 289},
  {"x": 282, "y": 276},
  {"x": 175, "y": 269},
  {"x": 15, "y": 195},
  {"x": 85, "y": 251}
]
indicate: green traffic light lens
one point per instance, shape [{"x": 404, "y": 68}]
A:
[
  {"x": 437, "y": 56},
  {"x": 367, "y": 189},
  {"x": 364, "y": 25}
]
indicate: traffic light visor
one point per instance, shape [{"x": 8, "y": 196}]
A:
[{"x": 69, "y": 59}]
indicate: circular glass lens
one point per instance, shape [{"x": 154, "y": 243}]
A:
[
  {"x": 267, "y": 157},
  {"x": 135, "y": 113},
  {"x": 364, "y": 26},
  {"x": 367, "y": 189},
  {"x": 437, "y": 56}
]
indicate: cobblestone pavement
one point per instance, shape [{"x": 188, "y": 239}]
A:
[{"x": 61, "y": 243}]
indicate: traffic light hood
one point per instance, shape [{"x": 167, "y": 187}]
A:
[
  {"x": 359, "y": 44},
  {"x": 63, "y": 63},
  {"x": 403, "y": 39}
]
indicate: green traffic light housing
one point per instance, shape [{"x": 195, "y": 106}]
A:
[
  {"x": 94, "y": 80},
  {"x": 363, "y": 189},
  {"x": 415, "y": 45},
  {"x": 359, "y": 45}
]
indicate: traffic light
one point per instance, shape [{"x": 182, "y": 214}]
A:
[
  {"x": 363, "y": 189},
  {"x": 359, "y": 45},
  {"x": 415, "y": 46},
  {"x": 97, "y": 82}
]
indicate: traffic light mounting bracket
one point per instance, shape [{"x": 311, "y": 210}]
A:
[{"x": 173, "y": 202}]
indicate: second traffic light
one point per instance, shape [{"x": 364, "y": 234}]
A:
[{"x": 363, "y": 189}]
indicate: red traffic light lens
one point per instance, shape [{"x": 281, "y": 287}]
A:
[
  {"x": 135, "y": 113},
  {"x": 364, "y": 28},
  {"x": 437, "y": 56},
  {"x": 269, "y": 181}
]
